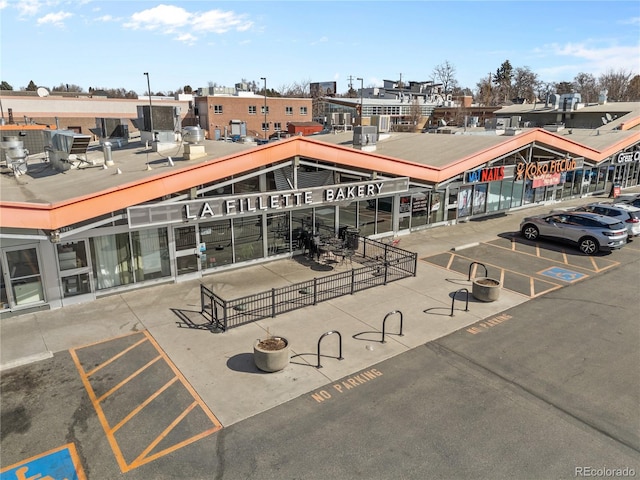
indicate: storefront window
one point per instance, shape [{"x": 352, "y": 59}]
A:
[
  {"x": 464, "y": 202},
  {"x": 278, "y": 233},
  {"x": 217, "y": 240},
  {"x": 516, "y": 194},
  {"x": 25, "y": 278},
  {"x": 479, "y": 198},
  {"x": 436, "y": 207},
  {"x": 72, "y": 255},
  {"x": 4, "y": 298},
  {"x": 326, "y": 221},
  {"x": 151, "y": 254},
  {"x": 111, "y": 258},
  {"x": 348, "y": 215},
  {"x": 419, "y": 209},
  {"x": 367, "y": 214},
  {"x": 247, "y": 234},
  {"x": 493, "y": 196}
]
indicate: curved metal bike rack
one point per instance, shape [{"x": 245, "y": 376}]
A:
[
  {"x": 486, "y": 273},
  {"x": 385, "y": 321},
  {"x": 453, "y": 300},
  {"x": 320, "y": 340}
]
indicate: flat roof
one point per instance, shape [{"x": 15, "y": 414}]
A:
[{"x": 47, "y": 199}]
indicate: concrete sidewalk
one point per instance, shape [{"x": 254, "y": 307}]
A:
[{"x": 220, "y": 365}]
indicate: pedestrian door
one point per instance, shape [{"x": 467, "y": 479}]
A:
[{"x": 186, "y": 251}]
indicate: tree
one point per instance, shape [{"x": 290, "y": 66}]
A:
[
  {"x": 5, "y": 86},
  {"x": 32, "y": 87},
  {"x": 616, "y": 84},
  {"x": 634, "y": 89},
  {"x": 66, "y": 87},
  {"x": 564, "y": 87},
  {"x": 187, "y": 89},
  {"x": 525, "y": 84},
  {"x": 503, "y": 80},
  {"x": 586, "y": 86},
  {"x": 445, "y": 74}
]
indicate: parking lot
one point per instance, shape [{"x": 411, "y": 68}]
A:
[
  {"x": 530, "y": 268},
  {"x": 538, "y": 389}
]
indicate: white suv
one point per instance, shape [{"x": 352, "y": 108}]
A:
[{"x": 628, "y": 214}]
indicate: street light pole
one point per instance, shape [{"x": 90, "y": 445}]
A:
[
  {"x": 361, "y": 93},
  {"x": 265, "y": 126},
  {"x": 150, "y": 106}
]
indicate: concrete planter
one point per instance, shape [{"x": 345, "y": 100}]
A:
[
  {"x": 486, "y": 289},
  {"x": 271, "y": 354}
]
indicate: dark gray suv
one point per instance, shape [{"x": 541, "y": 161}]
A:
[{"x": 589, "y": 231}]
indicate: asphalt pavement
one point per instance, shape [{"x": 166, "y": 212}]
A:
[{"x": 500, "y": 358}]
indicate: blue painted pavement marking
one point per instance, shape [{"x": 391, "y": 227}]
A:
[
  {"x": 563, "y": 274},
  {"x": 57, "y": 465}
]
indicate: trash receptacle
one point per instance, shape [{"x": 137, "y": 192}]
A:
[{"x": 351, "y": 238}]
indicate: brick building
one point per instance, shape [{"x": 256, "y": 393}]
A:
[{"x": 218, "y": 113}]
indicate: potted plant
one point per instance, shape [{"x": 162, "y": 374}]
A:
[
  {"x": 271, "y": 354},
  {"x": 485, "y": 289}
]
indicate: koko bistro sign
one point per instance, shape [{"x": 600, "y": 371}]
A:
[{"x": 241, "y": 205}]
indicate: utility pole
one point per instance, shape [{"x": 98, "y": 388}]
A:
[
  {"x": 361, "y": 99},
  {"x": 350, "y": 82},
  {"x": 150, "y": 107},
  {"x": 266, "y": 126}
]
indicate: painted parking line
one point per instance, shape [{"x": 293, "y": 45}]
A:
[
  {"x": 57, "y": 464},
  {"x": 556, "y": 254},
  {"x": 189, "y": 421},
  {"x": 563, "y": 274},
  {"x": 513, "y": 281}
]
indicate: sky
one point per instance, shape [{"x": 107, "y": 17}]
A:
[{"x": 111, "y": 44}]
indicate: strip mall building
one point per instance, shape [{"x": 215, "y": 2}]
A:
[{"x": 145, "y": 216}]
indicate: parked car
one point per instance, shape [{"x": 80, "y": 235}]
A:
[
  {"x": 633, "y": 199},
  {"x": 628, "y": 214},
  {"x": 589, "y": 231}
]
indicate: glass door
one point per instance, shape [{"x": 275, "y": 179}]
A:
[
  {"x": 75, "y": 270},
  {"x": 23, "y": 277},
  {"x": 187, "y": 252}
]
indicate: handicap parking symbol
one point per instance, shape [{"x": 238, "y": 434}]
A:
[
  {"x": 58, "y": 464},
  {"x": 563, "y": 274}
]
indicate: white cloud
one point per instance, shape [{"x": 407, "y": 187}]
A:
[
  {"x": 56, "y": 19},
  {"x": 169, "y": 19},
  {"x": 320, "y": 40},
  {"x": 105, "y": 18},
  {"x": 631, "y": 21},
  {"x": 3, "y": 4},
  {"x": 217, "y": 21},
  {"x": 29, "y": 7},
  {"x": 187, "y": 38}
]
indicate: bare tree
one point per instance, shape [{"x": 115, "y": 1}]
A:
[
  {"x": 616, "y": 84},
  {"x": 564, "y": 87},
  {"x": 585, "y": 84},
  {"x": 445, "y": 74},
  {"x": 525, "y": 84},
  {"x": 633, "y": 92}
]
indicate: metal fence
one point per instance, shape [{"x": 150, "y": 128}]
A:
[{"x": 380, "y": 262}]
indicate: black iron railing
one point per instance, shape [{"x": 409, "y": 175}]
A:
[{"x": 381, "y": 263}]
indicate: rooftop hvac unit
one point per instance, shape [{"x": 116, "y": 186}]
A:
[
  {"x": 66, "y": 149},
  {"x": 15, "y": 154}
]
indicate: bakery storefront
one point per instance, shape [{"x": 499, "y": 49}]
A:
[{"x": 264, "y": 213}]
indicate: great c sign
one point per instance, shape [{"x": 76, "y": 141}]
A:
[{"x": 628, "y": 157}]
